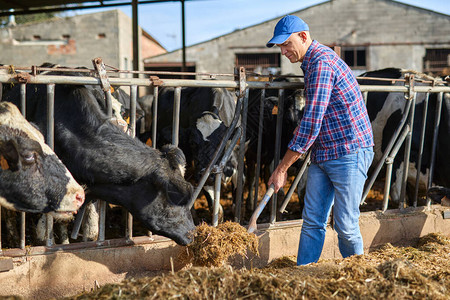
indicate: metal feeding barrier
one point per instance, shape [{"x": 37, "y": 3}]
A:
[{"x": 105, "y": 76}]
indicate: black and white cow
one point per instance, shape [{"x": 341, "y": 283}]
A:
[
  {"x": 115, "y": 167},
  {"x": 32, "y": 178},
  {"x": 385, "y": 111},
  {"x": 205, "y": 116}
]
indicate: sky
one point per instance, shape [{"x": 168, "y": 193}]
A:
[{"x": 208, "y": 19}]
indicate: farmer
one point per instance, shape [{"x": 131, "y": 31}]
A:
[{"x": 336, "y": 127}]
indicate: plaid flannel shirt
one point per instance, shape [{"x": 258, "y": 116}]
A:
[{"x": 335, "y": 120}]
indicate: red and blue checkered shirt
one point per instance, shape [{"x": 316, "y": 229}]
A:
[{"x": 335, "y": 120}]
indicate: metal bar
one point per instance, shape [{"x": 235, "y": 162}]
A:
[
  {"x": 421, "y": 143},
  {"x": 155, "y": 115},
  {"x": 437, "y": 122},
  {"x": 183, "y": 37},
  {"x": 50, "y": 143},
  {"x": 101, "y": 220},
  {"x": 387, "y": 184},
  {"x": 295, "y": 182},
  {"x": 133, "y": 99},
  {"x": 59, "y": 79},
  {"x": 365, "y": 95},
  {"x": 407, "y": 153},
  {"x": 389, "y": 161},
  {"x": 278, "y": 132},
  {"x": 176, "y": 116},
  {"x": 23, "y": 103},
  {"x": 23, "y": 110},
  {"x": 259, "y": 146},
  {"x": 217, "y": 184},
  {"x": 380, "y": 164},
  {"x": 135, "y": 30},
  {"x": 223, "y": 161},
  {"x": 78, "y": 221},
  {"x": 243, "y": 93}
]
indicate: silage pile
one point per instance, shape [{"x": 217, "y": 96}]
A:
[
  {"x": 214, "y": 246},
  {"x": 390, "y": 273}
]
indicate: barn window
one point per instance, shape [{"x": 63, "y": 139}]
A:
[
  {"x": 355, "y": 57},
  {"x": 437, "y": 61},
  {"x": 36, "y": 37},
  {"x": 262, "y": 63},
  {"x": 101, "y": 35},
  {"x": 66, "y": 36}
]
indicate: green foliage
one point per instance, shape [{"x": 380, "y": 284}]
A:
[{"x": 23, "y": 19}]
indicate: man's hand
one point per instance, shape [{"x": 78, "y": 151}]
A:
[{"x": 278, "y": 178}]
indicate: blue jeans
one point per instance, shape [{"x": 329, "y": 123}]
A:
[{"x": 340, "y": 181}]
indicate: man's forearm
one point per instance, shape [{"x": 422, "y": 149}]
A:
[{"x": 288, "y": 159}]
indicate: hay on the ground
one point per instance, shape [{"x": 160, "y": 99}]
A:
[
  {"x": 389, "y": 272},
  {"x": 213, "y": 246}
]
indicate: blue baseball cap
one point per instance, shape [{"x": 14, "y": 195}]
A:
[{"x": 285, "y": 27}]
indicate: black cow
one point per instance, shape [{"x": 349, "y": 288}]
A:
[
  {"x": 116, "y": 167},
  {"x": 32, "y": 178},
  {"x": 385, "y": 111},
  {"x": 439, "y": 193},
  {"x": 293, "y": 112},
  {"x": 205, "y": 116}
]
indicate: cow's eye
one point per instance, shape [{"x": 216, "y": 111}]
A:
[{"x": 28, "y": 158}]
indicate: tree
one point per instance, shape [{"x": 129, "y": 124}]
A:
[{"x": 23, "y": 19}]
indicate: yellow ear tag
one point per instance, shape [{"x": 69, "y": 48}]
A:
[
  {"x": 275, "y": 110},
  {"x": 4, "y": 163}
]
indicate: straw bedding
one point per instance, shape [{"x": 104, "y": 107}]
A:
[{"x": 421, "y": 272}]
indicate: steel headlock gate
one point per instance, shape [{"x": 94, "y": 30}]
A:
[{"x": 104, "y": 77}]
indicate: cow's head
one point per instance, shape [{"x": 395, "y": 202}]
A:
[
  {"x": 34, "y": 181},
  {"x": 205, "y": 140},
  {"x": 160, "y": 199}
]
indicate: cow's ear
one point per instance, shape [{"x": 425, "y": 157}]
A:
[
  {"x": 179, "y": 193},
  {"x": 10, "y": 158}
]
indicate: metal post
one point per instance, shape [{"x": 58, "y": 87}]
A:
[
  {"x": 176, "y": 116},
  {"x": 135, "y": 18},
  {"x": 183, "y": 34},
  {"x": 243, "y": 93},
  {"x": 217, "y": 183},
  {"x": 23, "y": 103},
  {"x": 365, "y": 96},
  {"x": 421, "y": 143},
  {"x": 389, "y": 161},
  {"x": 23, "y": 110},
  {"x": 50, "y": 143},
  {"x": 155, "y": 115},
  {"x": 279, "y": 129},
  {"x": 437, "y": 122},
  {"x": 259, "y": 147},
  {"x": 133, "y": 97},
  {"x": 412, "y": 98},
  {"x": 380, "y": 164}
]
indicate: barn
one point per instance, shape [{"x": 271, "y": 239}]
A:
[
  {"x": 72, "y": 106},
  {"x": 372, "y": 34}
]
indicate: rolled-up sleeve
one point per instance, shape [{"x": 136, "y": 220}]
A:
[{"x": 319, "y": 85}]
